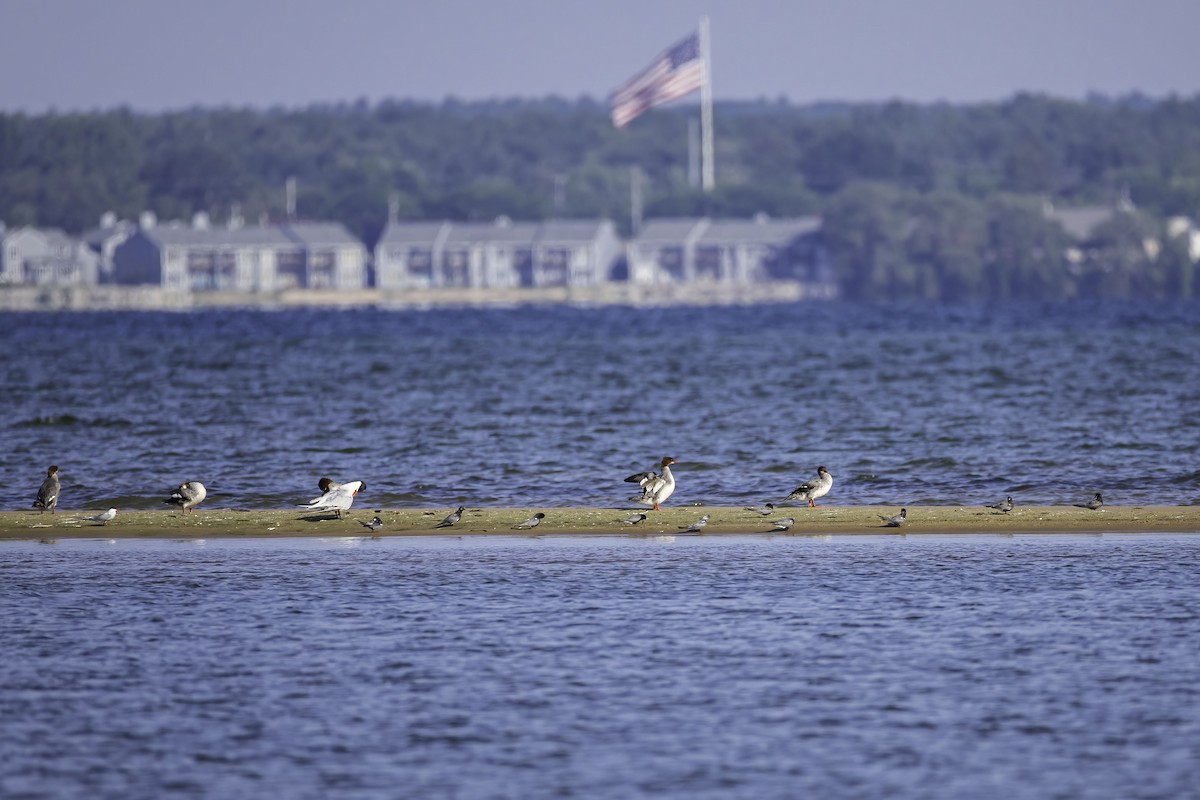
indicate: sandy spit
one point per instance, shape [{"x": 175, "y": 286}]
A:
[{"x": 728, "y": 520}]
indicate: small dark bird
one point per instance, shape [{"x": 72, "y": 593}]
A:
[
  {"x": 374, "y": 524},
  {"x": 633, "y": 519},
  {"x": 784, "y": 524},
  {"x": 696, "y": 526},
  {"x": 896, "y": 521},
  {"x": 764, "y": 511},
  {"x": 451, "y": 519},
  {"x": 532, "y": 522},
  {"x": 47, "y": 496},
  {"x": 1095, "y": 504},
  {"x": 1004, "y": 506}
]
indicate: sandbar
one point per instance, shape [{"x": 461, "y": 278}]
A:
[{"x": 723, "y": 520}]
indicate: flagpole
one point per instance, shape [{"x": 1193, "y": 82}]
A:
[{"x": 706, "y": 120}]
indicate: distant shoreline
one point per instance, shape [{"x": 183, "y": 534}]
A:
[
  {"x": 152, "y": 298},
  {"x": 729, "y": 520}
]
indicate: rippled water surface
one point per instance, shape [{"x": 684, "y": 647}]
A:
[
  {"x": 602, "y": 667},
  {"x": 553, "y": 406}
]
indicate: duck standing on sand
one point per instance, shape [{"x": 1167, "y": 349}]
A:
[
  {"x": 47, "y": 496},
  {"x": 656, "y": 487},
  {"x": 816, "y": 488},
  {"x": 188, "y": 495}
]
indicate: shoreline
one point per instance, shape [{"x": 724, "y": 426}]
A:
[{"x": 724, "y": 520}]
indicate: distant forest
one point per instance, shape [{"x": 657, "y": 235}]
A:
[{"x": 935, "y": 201}]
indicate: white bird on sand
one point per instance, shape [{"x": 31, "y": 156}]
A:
[
  {"x": 105, "y": 518},
  {"x": 816, "y": 488},
  {"x": 656, "y": 488},
  {"x": 696, "y": 526},
  {"x": 338, "y": 497},
  {"x": 47, "y": 496},
  {"x": 633, "y": 519},
  {"x": 1095, "y": 504},
  {"x": 784, "y": 524},
  {"x": 451, "y": 518},
  {"x": 1004, "y": 506},
  {"x": 764, "y": 511},
  {"x": 188, "y": 495},
  {"x": 896, "y": 521},
  {"x": 532, "y": 522}
]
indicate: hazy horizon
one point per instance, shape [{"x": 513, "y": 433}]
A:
[{"x": 150, "y": 57}]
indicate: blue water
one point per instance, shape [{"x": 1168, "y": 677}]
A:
[
  {"x": 905, "y": 405},
  {"x": 602, "y": 667}
]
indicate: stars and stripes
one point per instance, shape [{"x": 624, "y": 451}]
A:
[{"x": 677, "y": 72}]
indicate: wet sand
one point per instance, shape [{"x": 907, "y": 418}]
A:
[{"x": 729, "y": 520}]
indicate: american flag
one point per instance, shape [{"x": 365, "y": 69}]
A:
[{"x": 677, "y": 72}]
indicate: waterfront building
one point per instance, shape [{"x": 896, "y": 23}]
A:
[
  {"x": 501, "y": 254},
  {"x": 45, "y": 257},
  {"x": 721, "y": 251}
]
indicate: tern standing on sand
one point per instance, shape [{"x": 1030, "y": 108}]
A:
[
  {"x": 338, "y": 497},
  {"x": 896, "y": 521},
  {"x": 105, "y": 518},
  {"x": 532, "y": 522},
  {"x": 1095, "y": 504},
  {"x": 811, "y": 491},
  {"x": 47, "y": 496},
  {"x": 1004, "y": 506},
  {"x": 452, "y": 518}
]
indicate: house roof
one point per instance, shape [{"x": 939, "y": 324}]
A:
[
  {"x": 412, "y": 232},
  {"x": 319, "y": 234},
  {"x": 760, "y": 231},
  {"x": 570, "y": 230},
  {"x": 1080, "y": 222},
  {"x": 515, "y": 233}
]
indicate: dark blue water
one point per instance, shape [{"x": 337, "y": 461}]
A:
[
  {"x": 553, "y": 406},
  {"x": 703, "y": 667}
]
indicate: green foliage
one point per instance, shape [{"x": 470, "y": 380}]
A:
[{"x": 932, "y": 201}]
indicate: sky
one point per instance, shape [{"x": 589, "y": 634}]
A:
[{"x": 156, "y": 55}]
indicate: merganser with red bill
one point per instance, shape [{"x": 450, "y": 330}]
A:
[
  {"x": 812, "y": 490},
  {"x": 47, "y": 496},
  {"x": 656, "y": 487}
]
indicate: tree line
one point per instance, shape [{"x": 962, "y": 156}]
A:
[{"x": 935, "y": 201}]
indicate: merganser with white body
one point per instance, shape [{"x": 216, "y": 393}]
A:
[
  {"x": 188, "y": 495},
  {"x": 47, "y": 496},
  {"x": 656, "y": 488},
  {"x": 818, "y": 487},
  {"x": 338, "y": 497}
]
